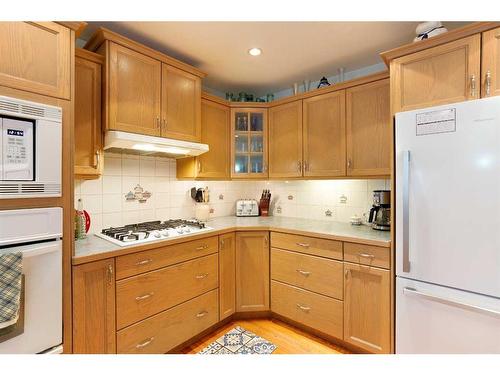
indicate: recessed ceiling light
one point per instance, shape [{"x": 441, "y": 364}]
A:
[{"x": 255, "y": 51}]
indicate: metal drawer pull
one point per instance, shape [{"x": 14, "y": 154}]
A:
[
  {"x": 143, "y": 262},
  {"x": 145, "y": 343},
  {"x": 202, "y": 247},
  {"x": 488, "y": 83},
  {"x": 364, "y": 255},
  {"x": 304, "y": 308},
  {"x": 145, "y": 296},
  {"x": 201, "y": 314},
  {"x": 302, "y": 272},
  {"x": 473, "y": 85},
  {"x": 451, "y": 302},
  {"x": 201, "y": 276},
  {"x": 303, "y": 244}
]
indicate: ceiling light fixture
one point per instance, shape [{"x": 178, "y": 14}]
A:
[{"x": 254, "y": 51}]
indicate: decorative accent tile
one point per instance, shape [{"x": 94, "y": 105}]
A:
[{"x": 239, "y": 341}]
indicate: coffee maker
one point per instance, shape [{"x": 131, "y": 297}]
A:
[{"x": 380, "y": 213}]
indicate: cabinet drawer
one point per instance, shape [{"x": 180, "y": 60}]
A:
[
  {"x": 314, "y": 310},
  {"x": 165, "y": 331},
  {"x": 133, "y": 264},
  {"x": 316, "y": 274},
  {"x": 376, "y": 256},
  {"x": 307, "y": 245},
  {"x": 144, "y": 295}
]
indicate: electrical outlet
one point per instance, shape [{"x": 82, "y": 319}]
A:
[
  {"x": 278, "y": 209},
  {"x": 290, "y": 197}
]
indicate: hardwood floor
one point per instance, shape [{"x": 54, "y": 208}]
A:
[{"x": 288, "y": 339}]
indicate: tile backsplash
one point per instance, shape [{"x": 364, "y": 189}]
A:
[{"x": 104, "y": 198}]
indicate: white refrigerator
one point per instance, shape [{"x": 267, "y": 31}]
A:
[{"x": 448, "y": 228}]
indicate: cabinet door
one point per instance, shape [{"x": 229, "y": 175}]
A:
[
  {"x": 491, "y": 63},
  {"x": 324, "y": 135},
  {"x": 94, "y": 310},
  {"x": 215, "y": 131},
  {"x": 285, "y": 140},
  {"x": 444, "y": 74},
  {"x": 367, "y": 316},
  {"x": 36, "y": 57},
  {"x": 134, "y": 91},
  {"x": 368, "y": 129},
  {"x": 227, "y": 275},
  {"x": 249, "y": 143},
  {"x": 88, "y": 161},
  {"x": 252, "y": 271},
  {"x": 181, "y": 104}
]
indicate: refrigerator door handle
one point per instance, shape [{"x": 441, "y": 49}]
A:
[
  {"x": 406, "y": 211},
  {"x": 450, "y": 302}
]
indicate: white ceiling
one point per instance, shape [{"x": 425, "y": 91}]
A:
[{"x": 292, "y": 51}]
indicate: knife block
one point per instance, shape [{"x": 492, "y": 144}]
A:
[{"x": 264, "y": 207}]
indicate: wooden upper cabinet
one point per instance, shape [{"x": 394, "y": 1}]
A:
[
  {"x": 252, "y": 271},
  {"x": 444, "y": 74},
  {"x": 368, "y": 129},
  {"x": 285, "y": 140},
  {"x": 227, "y": 275},
  {"x": 36, "y": 57},
  {"x": 134, "y": 91},
  {"x": 491, "y": 63},
  {"x": 324, "y": 135},
  {"x": 181, "y": 104},
  {"x": 94, "y": 311},
  {"x": 88, "y": 133},
  {"x": 367, "y": 307}
]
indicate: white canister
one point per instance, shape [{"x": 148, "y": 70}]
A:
[{"x": 202, "y": 211}]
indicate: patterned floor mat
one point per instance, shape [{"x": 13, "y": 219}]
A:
[{"x": 239, "y": 341}]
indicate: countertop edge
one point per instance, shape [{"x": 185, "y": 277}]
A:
[{"x": 77, "y": 260}]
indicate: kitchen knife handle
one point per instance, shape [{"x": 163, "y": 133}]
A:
[{"x": 406, "y": 211}]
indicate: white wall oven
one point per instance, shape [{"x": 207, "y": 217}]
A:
[{"x": 30, "y": 149}]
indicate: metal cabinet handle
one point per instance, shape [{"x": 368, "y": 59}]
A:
[
  {"x": 221, "y": 244},
  {"x": 201, "y": 314},
  {"x": 450, "y": 302},
  {"x": 302, "y": 244},
  {"x": 145, "y": 343},
  {"x": 346, "y": 273},
  {"x": 202, "y": 247},
  {"x": 406, "y": 211},
  {"x": 143, "y": 262},
  {"x": 302, "y": 272},
  {"x": 145, "y": 296},
  {"x": 110, "y": 273},
  {"x": 201, "y": 276},
  {"x": 163, "y": 124},
  {"x": 264, "y": 167},
  {"x": 303, "y": 308},
  {"x": 363, "y": 255},
  {"x": 299, "y": 166},
  {"x": 488, "y": 83},
  {"x": 349, "y": 163},
  {"x": 306, "y": 165},
  {"x": 97, "y": 159},
  {"x": 473, "y": 85},
  {"x": 198, "y": 166}
]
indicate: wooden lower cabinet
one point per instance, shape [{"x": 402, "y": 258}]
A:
[
  {"x": 94, "y": 308},
  {"x": 311, "y": 309},
  {"x": 367, "y": 307},
  {"x": 227, "y": 275},
  {"x": 252, "y": 271},
  {"x": 170, "y": 328}
]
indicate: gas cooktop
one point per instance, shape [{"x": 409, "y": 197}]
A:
[{"x": 134, "y": 234}]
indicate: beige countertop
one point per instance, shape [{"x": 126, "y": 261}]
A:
[{"x": 95, "y": 248}]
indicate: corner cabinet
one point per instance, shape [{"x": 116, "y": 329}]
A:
[
  {"x": 252, "y": 271},
  {"x": 36, "y": 57},
  {"x": 444, "y": 74},
  {"x": 368, "y": 129},
  {"x": 88, "y": 132},
  {"x": 249, "y": 143},
  {"x": 94, "y": 311},
  {"x": 367, "y": 306}
]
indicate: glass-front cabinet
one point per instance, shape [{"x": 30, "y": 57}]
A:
[{"x": 249, "y": 143}]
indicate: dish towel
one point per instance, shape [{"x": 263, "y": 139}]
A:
[{"x": 11, "y": 269}]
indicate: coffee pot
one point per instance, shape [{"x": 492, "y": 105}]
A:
[{"x": 380, "y": 213}]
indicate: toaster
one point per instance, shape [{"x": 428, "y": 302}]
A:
[{"x": 247, "y": 207}]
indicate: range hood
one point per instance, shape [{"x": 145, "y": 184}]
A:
[{"x": 149, "y": 145}]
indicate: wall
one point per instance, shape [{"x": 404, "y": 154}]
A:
[{"x": 104, "y": 198}]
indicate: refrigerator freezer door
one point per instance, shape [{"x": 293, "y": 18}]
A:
[
  {"x": 434, "y": 319},
  {"x": 448, "y": 195}
]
